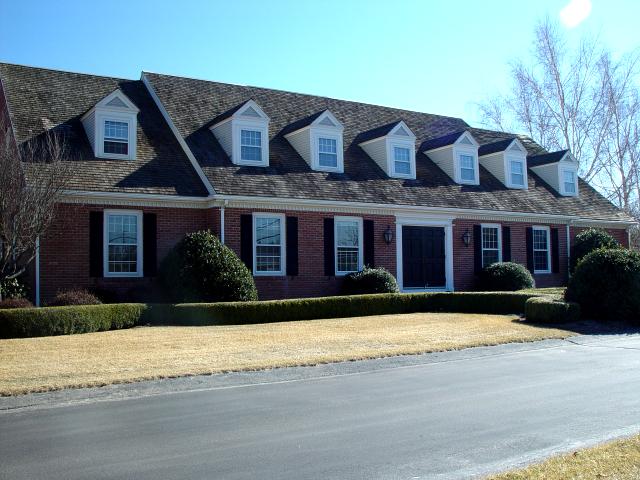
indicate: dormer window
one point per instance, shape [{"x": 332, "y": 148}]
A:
[
  {"x": 393, "y": 148},
  {"x": 457, "y": 155},
  {"x": 507, "y": 161},
  {"x": 558, "y": 169},
  {"x": 243, "y": 133},
  {"x": 318, "y": 140},
  {"x": 111, "y": 127}
]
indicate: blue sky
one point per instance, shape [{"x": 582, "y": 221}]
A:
[{"x": 433, "y": 56}]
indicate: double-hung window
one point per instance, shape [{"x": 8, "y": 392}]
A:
[
  {"x": 467, "y": 168},
  {"x": 348, "y": 242},
  {"x": 569, "y": 179},
  {"x": 123, "y": 243},
  {"x": 116, "y": 137},
  {"x": 517, "y": 172},
  {"x": 268, "y": 244},
  {"x": 327, "y": 152},
  {"x": 401, "y": 161},
  {"x": 251, "y": 145},
  {"x": 490, "y": 244},
  {"x": 541, "y": 250}
]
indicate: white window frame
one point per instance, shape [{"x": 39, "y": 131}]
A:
[
  {"x": 499, "y": 237},
  {"x": 130, "y": 120},
  {"x": 336, "y": 220},
  {"x": 547, "y": 231},
  {"x": 283, "y": 241},
  {"x": 105, "y": 244},
  {"x": 562, "y": 182},
  {"x": 522, "y": 162},
  {"x": 412, "y": 159},
  {"x": 261, "y": 146},
  {"x": 259, "y": 126},
  {"x": 332, "y": 134}
]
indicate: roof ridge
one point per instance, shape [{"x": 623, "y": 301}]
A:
[{"x": 58, "y": 70}]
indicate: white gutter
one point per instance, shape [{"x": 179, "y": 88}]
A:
[{"x": 37, "y": 272}]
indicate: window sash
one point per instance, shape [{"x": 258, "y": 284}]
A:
[
  {"x": 467, "y": 168},
  {"x": 268, "y": 238},
  {"x": 116, "y": 137},
  {"x": 251, "y": 145},
  {"x": 327, "y": 152},
  {"x": 348, "y": 246},
  {"x": 490, "y": 246},
  {"x": 569, "y": 182},
  {"x": 517, "y": 173},
  {"x": 541, "y": 261},
  {"x": 402, "y": 160},
  {"x": 123, "y": 243}
]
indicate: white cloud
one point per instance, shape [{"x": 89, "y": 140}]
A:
[{"x": 575, "y": 12}]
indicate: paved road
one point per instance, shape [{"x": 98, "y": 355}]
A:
[{"x": 457, "y": 417}]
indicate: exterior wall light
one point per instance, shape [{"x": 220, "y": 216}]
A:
[
  {"x": 466, "y": 237},
  {"x": 388, "y": 235}
]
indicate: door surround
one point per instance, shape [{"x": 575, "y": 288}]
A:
[{"x": 430, "y": 221}]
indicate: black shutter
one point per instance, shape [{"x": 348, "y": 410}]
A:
[
  {"x": 246, "y": 240},
  {"x": 477, "y": 248},
  {"x": 506, "y": 244},
  {"x": 368, "y": 243},
  {"x": 555, "y": 251},
  {"x": 329, "y": 259},
  {"x": 96, "y": 243},
  {"x": 149, "y": 245},
  {"x": 530, "y": 249},
  {"x": 292, "y": 246}
]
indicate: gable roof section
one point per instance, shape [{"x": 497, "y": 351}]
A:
[
  {"x": 192, "y": 104},
  {"x": 499, "y": 146},
  {"x": 546, "y": 158},
  {"x": 443, "y": 141},
  {"x": 40, "y": 99}
]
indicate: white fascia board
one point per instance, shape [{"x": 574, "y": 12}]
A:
[{"x": 178, "y": 136}]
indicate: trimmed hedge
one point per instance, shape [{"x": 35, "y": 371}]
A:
[
  {"x": 38, "y": 322},
  {"x": 549, "y": 310},
  {"x": 235, "y": 313}
]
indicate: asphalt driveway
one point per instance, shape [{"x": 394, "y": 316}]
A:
[{"x": 448, "y": 415}]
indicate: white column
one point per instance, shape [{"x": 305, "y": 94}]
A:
[{"x": 38, "y": 272}]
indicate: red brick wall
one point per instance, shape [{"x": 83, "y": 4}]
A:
[
  {"x": 64, "y": 251},
  {"x": 310, "y": 281}
]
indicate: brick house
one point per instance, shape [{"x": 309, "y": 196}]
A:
[{"x": 304, "y": 189}]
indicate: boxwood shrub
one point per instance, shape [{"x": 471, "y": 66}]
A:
[
  {"x": 369, "y": 280},
  {"x": 225, "y": 313},
  {"x": 606, "y": 284},
  {"x": 549, "y": 310},
  {"x": 589, "y": 241},
  {"x": 37, "y": 322},
  {"x": 505, "y": 276}
]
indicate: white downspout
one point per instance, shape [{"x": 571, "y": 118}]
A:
[
  {"x": 222, "y": 221},
  {"x": 569, "y": 249},
  {"x": 37, "y": 272}
]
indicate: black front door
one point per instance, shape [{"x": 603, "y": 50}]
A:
[{"x": 423, "y": 264}]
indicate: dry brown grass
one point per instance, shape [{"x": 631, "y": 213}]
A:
[
  {"x": 619, "y": 460},
  {"x": 94, "y": 359}
]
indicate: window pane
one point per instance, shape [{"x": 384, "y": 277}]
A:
[
  {"x": 116, "y": 147},
  {"x": 327, "y": 152},
  {"x": 517, "y": 173},
  {"x": 540, "y": 260},
  {"x": 347, "y": 259},
  {"x": 268, "y": 240},
  {"x": 540, "y": 250},
  {"x": 116, "y": 130},
  {"x": 467, "y": 168},
  {"x": 489, "y": 237},
  {"x": 489, "y": 257},
  {"x": 122, "y": 238},
  {"x": 569, "y": 182},
  {"x": 540, "y": 239},
  {"x": 347, "y": 234},
  {"x": 402, "y": 160},
  {"x": 268, "y": 258},
  {"x": 267, "y": 231}
]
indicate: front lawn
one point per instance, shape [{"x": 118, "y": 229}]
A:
[
  {"x": 619, "y": 460},
  {"x": 94, "y": 359}
]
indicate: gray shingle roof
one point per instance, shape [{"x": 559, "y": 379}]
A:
[
  {"x": 545, "y": 158},
  {"x": 192, "y": 104},
  {"x": 40, "y": 99},
  {"x": 443, "y": 141},
  {"x": 499, "y": 146}
]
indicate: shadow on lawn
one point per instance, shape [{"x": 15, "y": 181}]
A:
[{"x": 592, "y": 327}]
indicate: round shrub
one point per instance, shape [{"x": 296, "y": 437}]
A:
[
  {"x": 201, "y": 269},
  {"x": 12, "y": 288},
  {"x": 550, "y": 310},
  {"x": 74, "y": 297},
  {"x": 505, "y": 277},
  {"x": 588, "y": 241},
  {"x": 15, "y": 303},
  {"x": 606, "y": 284},
  {"x": 369, "y": 280}
]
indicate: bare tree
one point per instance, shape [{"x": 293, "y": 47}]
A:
[
  {"x": 33, "y": 176},
  {"x": 581, "y": 99}
]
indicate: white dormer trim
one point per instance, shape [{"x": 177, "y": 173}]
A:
[
  {"x": 383, "y": 150},
  {"x": 249, "y": 117},
  {"x": 115, "y": 107},
  {"x": 306, "y": 141},
  {"x": 553, "y": 174},
  {"x": 501, "y": 164},
  {"x": 466, "y": 145}
]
